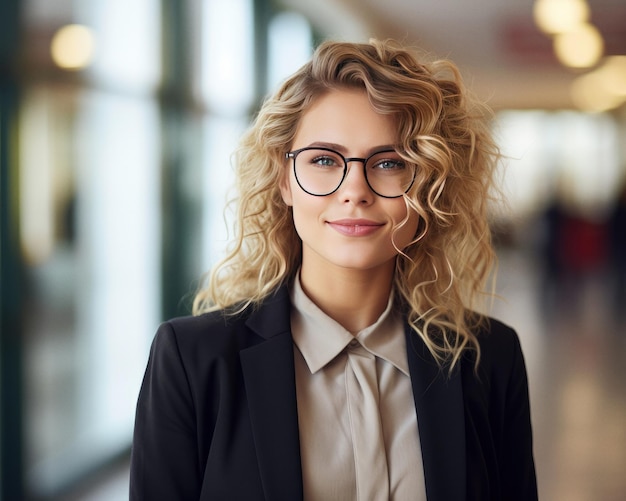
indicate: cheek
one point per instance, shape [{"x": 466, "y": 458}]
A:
[{"x": 306, "y": 212}]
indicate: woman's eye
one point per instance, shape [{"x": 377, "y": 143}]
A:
[
  {"x": 389, "y": 165},
  {"x": 324, "y": 161}
]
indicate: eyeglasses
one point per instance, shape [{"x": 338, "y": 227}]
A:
[{"x": 320, "y": 171}]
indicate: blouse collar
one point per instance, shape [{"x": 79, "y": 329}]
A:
[{"x": 320, "y": 338}]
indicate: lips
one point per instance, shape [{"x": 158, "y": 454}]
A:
[{"x": 355, "y": 227}]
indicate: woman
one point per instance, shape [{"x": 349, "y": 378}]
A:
[{"x": 334, "y": 354}]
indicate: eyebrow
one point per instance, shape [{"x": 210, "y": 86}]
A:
[{"x": 343, "y": 150}]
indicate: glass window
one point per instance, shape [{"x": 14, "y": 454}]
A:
[
  {"x": 220, "y": 137},
  {"x": 228, "y": 90},
  {"x": 127, "y": 42},
  {"x": 90, "y": 219},
  {"x": 91, "y": 236},
  {"x": 290, "y": 45},
  {"x": 107, "y": 170},
  {"x": 227, "y": 77}
]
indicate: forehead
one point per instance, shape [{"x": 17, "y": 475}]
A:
[{"x": 345, "y": 117}]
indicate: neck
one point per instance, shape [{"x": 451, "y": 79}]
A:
[{"x": 353, "y": 298}]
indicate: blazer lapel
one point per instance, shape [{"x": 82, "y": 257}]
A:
[
  {"x": 441, "y": 422},
  {"x": 269, "y": 377}
]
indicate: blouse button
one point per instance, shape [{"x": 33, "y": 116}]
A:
[{"x": 354, "y": 343}]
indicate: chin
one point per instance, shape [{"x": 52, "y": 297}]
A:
[{"x": 363, "y": 264}]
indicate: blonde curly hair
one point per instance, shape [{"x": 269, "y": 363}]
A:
[{"x": 444, "y": 131}]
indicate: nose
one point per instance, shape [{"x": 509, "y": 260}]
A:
[{"x": 354, "y": 188}]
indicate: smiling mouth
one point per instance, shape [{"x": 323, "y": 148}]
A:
[{"x": 355, "y": 228}]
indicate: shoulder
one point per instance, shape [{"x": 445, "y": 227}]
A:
[
  {"x": 217, "y": 323},
  {"x": 197, "y": 353},
  {"x": 501, "y": 357},
  {"x": 224, "y": 332},
  {"x": 497, "y": 340},
  {"x": 215, "y": 332}
]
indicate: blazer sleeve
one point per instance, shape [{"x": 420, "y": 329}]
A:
[
  {"x": 164, "y": 457},
  {"x": 518, "y": 477}
]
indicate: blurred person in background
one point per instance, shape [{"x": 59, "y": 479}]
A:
[{"x": 335, "y": 352}]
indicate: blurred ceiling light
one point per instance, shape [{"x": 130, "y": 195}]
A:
[
  {"x": 559, "y": 16},
  {"x": 613, "y": 72},
  {"x": 581, "y": 47},
  {"x": 72, "y": 47},
  {"x": 590, "y": 93}
]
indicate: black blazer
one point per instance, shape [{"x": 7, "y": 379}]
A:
[{"x": 217, "y": 418}]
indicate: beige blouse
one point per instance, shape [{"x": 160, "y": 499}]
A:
[{"x": 358, "y": 427}]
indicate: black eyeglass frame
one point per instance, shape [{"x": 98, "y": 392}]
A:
[{"x": 293, "y": 154}]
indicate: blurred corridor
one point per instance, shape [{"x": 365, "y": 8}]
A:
[{"x": 117, "y": 122}]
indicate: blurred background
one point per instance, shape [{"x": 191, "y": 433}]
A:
[{"x": 117, "y": 120}]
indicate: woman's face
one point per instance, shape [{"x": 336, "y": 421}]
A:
[{"x": 352, "y": 227}]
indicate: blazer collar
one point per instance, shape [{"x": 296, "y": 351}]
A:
[
  {"x": 269, "y": 377},
  {"x": 273, "y": 316},
  {"x": 441, "y": 422}
]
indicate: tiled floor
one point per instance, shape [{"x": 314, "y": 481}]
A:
[{"x": 576, "y": 358}]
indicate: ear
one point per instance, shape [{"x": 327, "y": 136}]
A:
[{"x": 285, "y": 188}]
